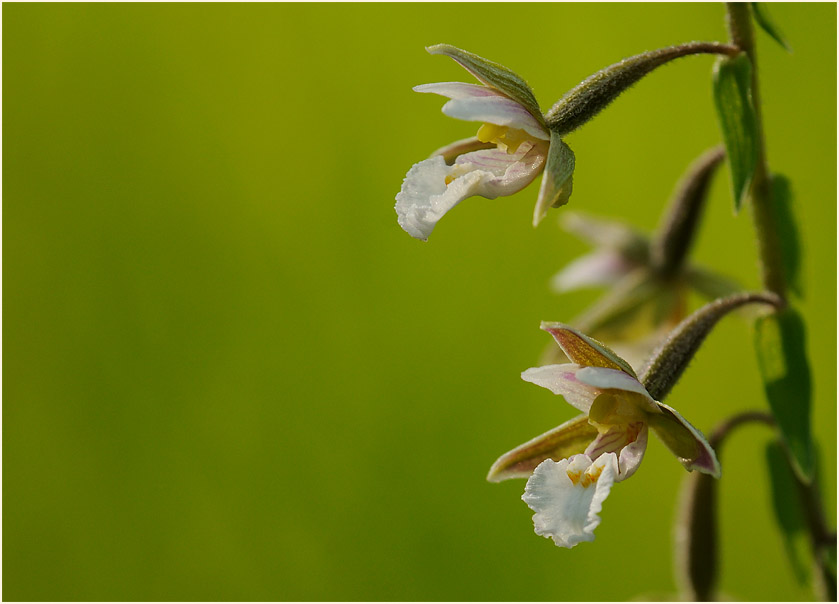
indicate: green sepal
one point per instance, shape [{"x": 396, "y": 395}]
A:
[
  {"x": 787, "y": 232},
  {"x": 570, "y": 438},
  {"x": 767, "y": 25},
  {"x": 782, "y": 360},
  {"x": 786, "y": 504},
  {"x": 557, "y": 180},
  {"x": 493, "y": 74},
  {"x": 735, "y": 113}
]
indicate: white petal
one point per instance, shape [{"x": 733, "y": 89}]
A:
[
  {"x": 422, "y": 200},
  {"x": 599, "y": 268},
  {"x": 568, "y": 495},
  {"x": 629, "y": 441},
  {"x": 475, "y": 103},
  {"x": 562, "y": 380},
  {"x": 614, "y": 379},
  {"x": 425, "y": 197}
]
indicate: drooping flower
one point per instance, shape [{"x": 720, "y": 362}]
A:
[
  {"x": 571, "y": 468},
  {"x": 511, "y": 148}
]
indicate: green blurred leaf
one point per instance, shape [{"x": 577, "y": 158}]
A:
[
  {"x": 788, "y": 232},
  {"x": 788, "y": 509},
  {"x": 782, "y": 359},
  {"x": 765, "y": 21},
  {"x": 735, "y": 113}
]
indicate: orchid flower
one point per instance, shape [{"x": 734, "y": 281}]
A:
[
  {"x": 511, "y": 148},
  {"x": 649, "y": 278},
  {"x": 572, "y": 468}
]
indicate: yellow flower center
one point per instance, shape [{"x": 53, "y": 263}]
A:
[
  {"x": 584, "y": 479},
  {"x": 508, "y": 139}
]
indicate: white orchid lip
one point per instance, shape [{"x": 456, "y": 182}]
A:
[{"x": 568, "y": 495}]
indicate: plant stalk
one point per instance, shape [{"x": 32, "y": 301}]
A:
[{"x": 766, "y": 226}]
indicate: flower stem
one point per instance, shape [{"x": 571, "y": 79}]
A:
[{"x": 766, "y": 227}]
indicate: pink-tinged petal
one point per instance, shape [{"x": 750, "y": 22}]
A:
[
  {"x": 562, "y": 380},
  {"x": 459, "y": 90},
  {"x": 631, "y": 455},
  {"x": 466, "y": 145},
  {"x": 684, "y": 441},
  {"x": 628, "y": 441},
  {"x": 502, "y": 173},
  {"x": 567, "y": 497},
  {"x": 571, "y": 438},
  {"x": 600, "y": 268},
  {"x": 583, "y": 350},
  {"x": 613, "y": 379},
  {"x": 474, "y": 103}
]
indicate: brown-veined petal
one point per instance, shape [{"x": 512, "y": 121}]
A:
[{"x": 571, "y": 438}]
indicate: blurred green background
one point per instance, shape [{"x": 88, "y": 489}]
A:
[{"x": 229, "y": 374}]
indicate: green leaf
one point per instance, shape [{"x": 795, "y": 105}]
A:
[
  {"x": 767, "y": 25},
  {"x": 789, "y": 512},
  {"x": 787, "y": 232},
  {"x": 782, "y": 360},
  {"x": 557, "y": 180},
  {"x": 493, "y": 74},
  {"x": 736, "y": 116}
]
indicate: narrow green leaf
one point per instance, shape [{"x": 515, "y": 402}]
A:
[
  {"x": 789, "y": 512},
  {"x": 764, "y": 20},
  {"x": 788, "y": 232},
  {"x": 782, "y": 360},
  {"x": 736, "y": 116}
]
